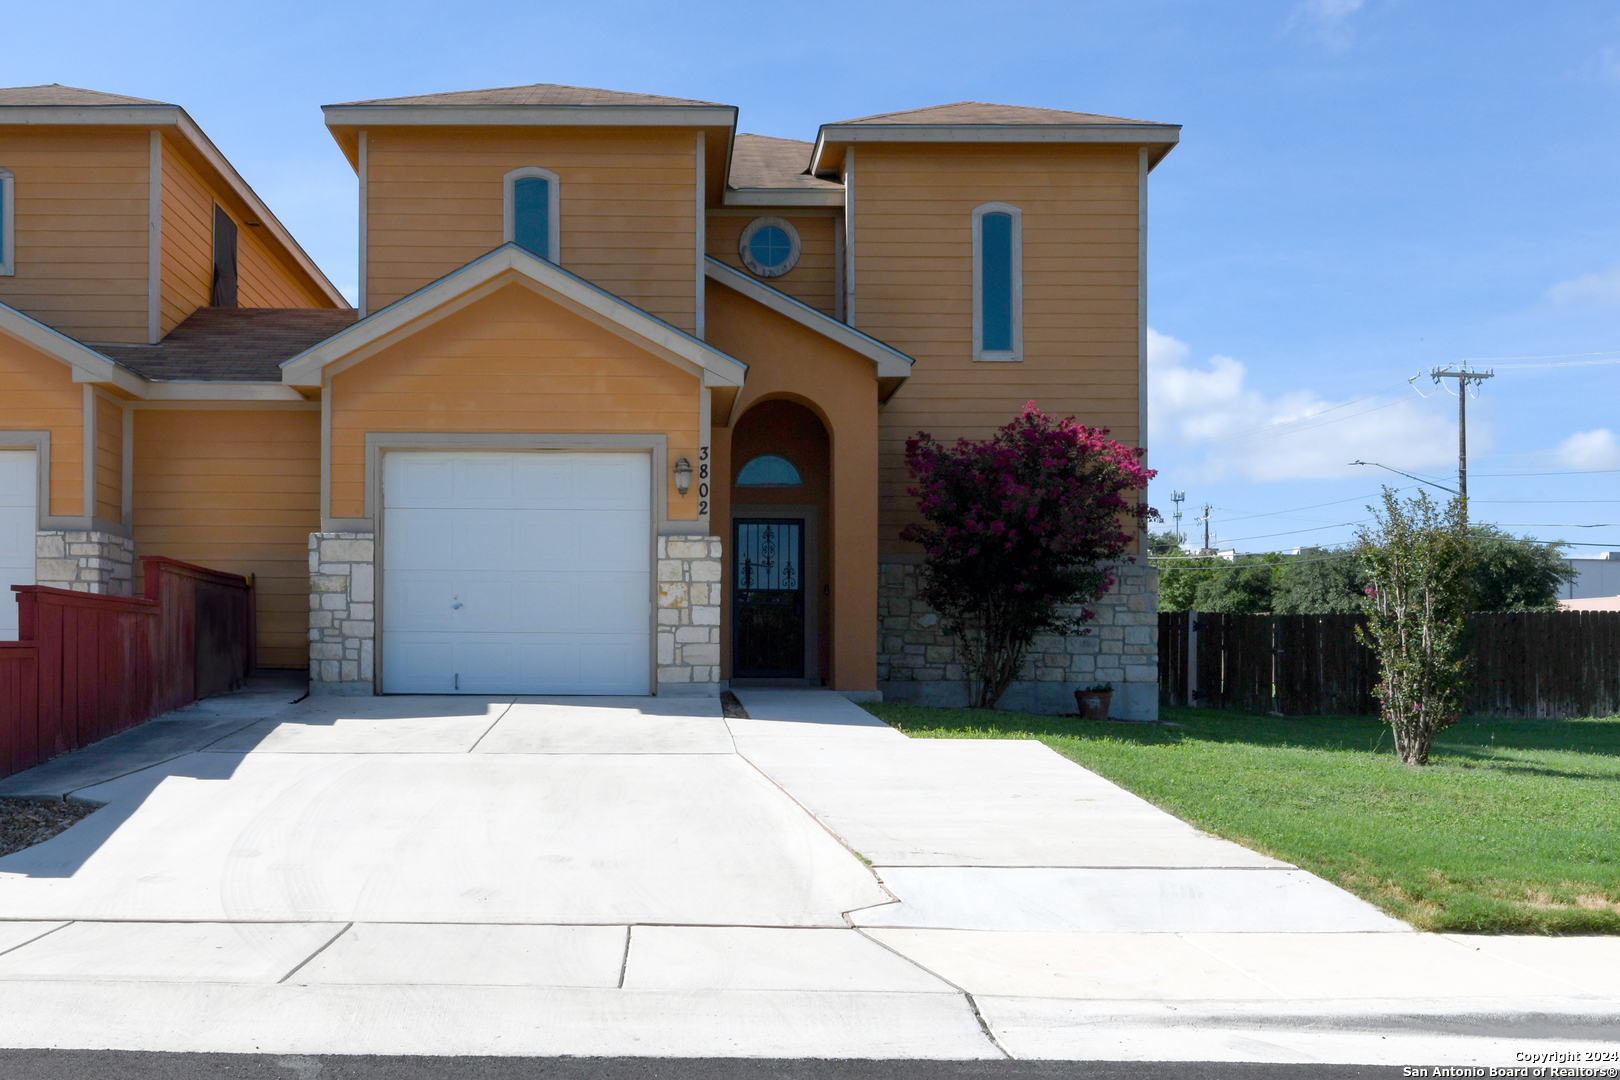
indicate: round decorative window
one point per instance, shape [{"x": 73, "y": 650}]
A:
[{"x": 769, "y": 247}]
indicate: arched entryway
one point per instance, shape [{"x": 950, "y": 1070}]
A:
[{"x": 777, "y": 616}]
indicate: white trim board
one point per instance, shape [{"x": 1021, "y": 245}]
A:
[
  {"x": 891, "y": 362},
  {"x": 511, "y": 264}
]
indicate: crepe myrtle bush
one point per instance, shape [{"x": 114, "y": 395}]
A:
[
  {"x": 1417, "y": 559},
  {"x": 1019, "y": 525}
]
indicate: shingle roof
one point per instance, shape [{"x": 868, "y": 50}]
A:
[
  {"x": 979, "y": 112},
  {"x": 232, "y": 344},
  {"x": 761, "y": 161},
  {"x": 536, "y": 94},
  {"x": 71, "y": 96}
]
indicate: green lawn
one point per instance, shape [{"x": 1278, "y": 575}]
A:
[{"x": 1514, "y": 828}]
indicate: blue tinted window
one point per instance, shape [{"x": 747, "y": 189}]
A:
[
  {"x": 769, "y": 470},
  {"x": 995, "y": 281},
  {"x": 531, "y": 215},
  {"x": 770, "y": 246}
]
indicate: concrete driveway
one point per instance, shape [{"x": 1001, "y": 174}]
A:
[{"x": 599, "y": 876}]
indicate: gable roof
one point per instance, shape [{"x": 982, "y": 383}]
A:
[
  {"x": 510, "y": 264},
  {"x": 893, "y": 366},
  {"x": 232, "y": 344},
  {"x": 767, "y": 171},
  {"x": 982, "y": 122},
  {"x": 535, "y": 94},
  {"x": 69, "y": 96}
]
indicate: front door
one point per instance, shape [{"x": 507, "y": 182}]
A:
[{"x": 767, "y": 622}]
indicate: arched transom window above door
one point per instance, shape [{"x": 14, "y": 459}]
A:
[{"x": 769, "y": 470}]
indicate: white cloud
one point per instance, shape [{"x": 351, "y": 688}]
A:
[
  {"x": 1598, "y": 290},
  {"x": 1212, "y": 414},
  {"x": 1584, "y": 450},
  {"x": 1609, "y": 64},
  {"x": 1328, "y": 21}
]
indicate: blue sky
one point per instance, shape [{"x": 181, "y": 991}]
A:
[{"x": 1364, "y": 189}]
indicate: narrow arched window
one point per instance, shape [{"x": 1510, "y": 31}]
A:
[
  {"x": 8, "y": 223},
  {"x": 768, "y": 470},
  {"x": 998, "y": 282},
  {"x": 532, "y": 198}
]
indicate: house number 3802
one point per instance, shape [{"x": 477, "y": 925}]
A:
[{"x": 703, "y": 481}]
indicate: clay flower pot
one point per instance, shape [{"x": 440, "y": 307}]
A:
[{"x": 1093, "y": 703}]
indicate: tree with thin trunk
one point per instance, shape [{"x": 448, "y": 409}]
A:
[
  {"x": 1417, "y": 564},
  {"x": 1019, "y": 526}
]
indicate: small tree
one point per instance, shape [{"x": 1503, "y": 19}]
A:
[
  {"x": 1417, "y": 563},
  {"x": 1019, "y": 525}
]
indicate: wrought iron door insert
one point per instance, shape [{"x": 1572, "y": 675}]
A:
[{"x": 767, "y": 624}]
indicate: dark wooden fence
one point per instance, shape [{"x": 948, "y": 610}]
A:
[
  {"x": 88, "y": 666},
  {"x": 1532, "y": 663}
]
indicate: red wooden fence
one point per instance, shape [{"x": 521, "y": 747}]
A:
[{"x": 89, "y": 666}]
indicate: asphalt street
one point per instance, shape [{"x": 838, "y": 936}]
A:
[{"x": 138, "y": 1065}]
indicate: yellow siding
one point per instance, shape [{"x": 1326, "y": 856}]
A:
[
  {"x": 188, "y": 251},
  {"x": 262, "y": 281},
  {"x": 810, "y": 282},
  {"x": 236, "y": 490},
  {"x": 914, "y": 290},
  {"x": 109, "y": 461},
  {"x": 37, "y": 393},
  {"x": 512, "y": 362},
  {"x": 188, "y": 240},
  {"x": 628, "y": 207},
  {"x": 81, "y": 230}
]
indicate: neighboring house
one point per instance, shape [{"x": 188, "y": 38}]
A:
[{"x": 623, "y": 407}]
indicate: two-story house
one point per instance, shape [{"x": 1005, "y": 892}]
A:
[{"x": 622, "y": 409}]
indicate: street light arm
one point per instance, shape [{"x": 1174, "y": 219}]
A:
[{"x": 1408, "y": 475}]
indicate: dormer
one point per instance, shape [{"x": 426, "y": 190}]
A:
[
  {"x": 612, "y": 186},
  {"x": 120, "y": 218}
]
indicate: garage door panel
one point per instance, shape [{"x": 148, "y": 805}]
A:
[
  {"x": 517, "y": 573},
  {"x": 516, "y": 663}
]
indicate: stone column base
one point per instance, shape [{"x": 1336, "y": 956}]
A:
[
  {"x": 689, "y": 616},
  {"x": 342, "y": 614},
  {"x": 87, "y": 561}
]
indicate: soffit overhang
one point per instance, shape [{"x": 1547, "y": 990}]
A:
[
  {"x": 891, "y": 366},
  {"x": 832, "y": 140}
]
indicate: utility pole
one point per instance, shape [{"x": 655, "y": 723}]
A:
[
  {"x": 1178, "y": 497},
  {"x": 1205, "y": 520},
  {"x": 1463, "y": 377}
]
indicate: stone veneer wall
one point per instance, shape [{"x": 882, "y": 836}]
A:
[
  {"x": 343, "y": 620},
  {"x": 89, "y": 561},
  {"x": 919, "y": 664},
  {"x": 342, "y": 613},
  {"x": 689, "y": 615}
]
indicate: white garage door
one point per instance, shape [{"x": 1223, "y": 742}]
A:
[
  {"x": 523, "y": 573},
  {"x": 17, "y": 523}
]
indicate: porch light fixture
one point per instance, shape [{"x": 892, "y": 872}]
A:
[{"x": 683, "y": 475}]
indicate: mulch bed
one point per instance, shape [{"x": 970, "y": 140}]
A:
[
  {"x": 730, "y": 707},
  {"x": 26, "y": 822}
]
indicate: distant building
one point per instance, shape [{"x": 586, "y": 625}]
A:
[{"x": 1599, "y": 576}]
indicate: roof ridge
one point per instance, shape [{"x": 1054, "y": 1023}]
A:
[{"x": 633, "y": 98}]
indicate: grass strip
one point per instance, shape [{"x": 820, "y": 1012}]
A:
[{"x": 1514, "y": 827}]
